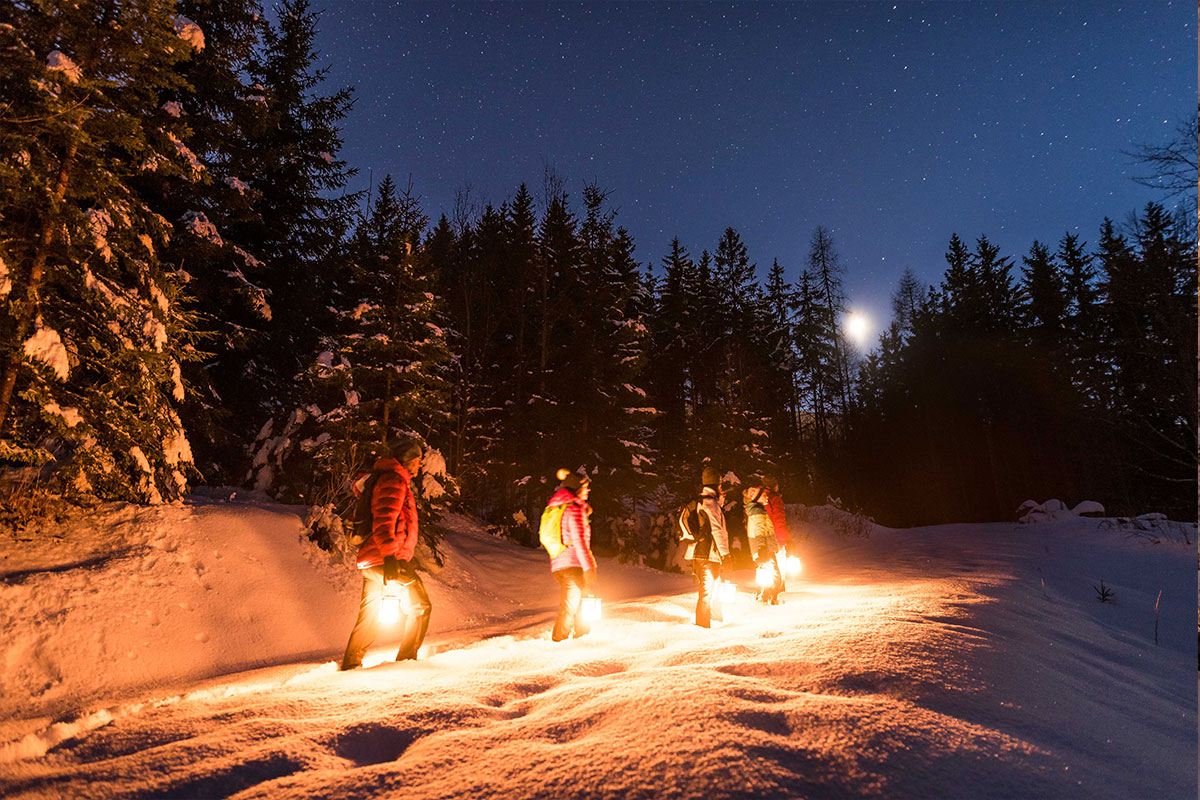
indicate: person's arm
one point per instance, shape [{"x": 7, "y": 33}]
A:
[{"x": 581, "y": 535}]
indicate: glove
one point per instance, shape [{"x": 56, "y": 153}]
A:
[
  {"x": 589, "y": 578},
  {"x": 391, "y": 569}
]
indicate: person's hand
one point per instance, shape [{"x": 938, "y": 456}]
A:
[
  {"x": 391, "y": 569},
  {"x": 589, "y": 578}
]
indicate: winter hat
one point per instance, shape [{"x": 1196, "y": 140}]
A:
[
  {"x": 770, "y": 481},
  {"x": 572, "y": 480},
  {"x": 709, "y": 477},
  {"x": 404, "y": 449}
]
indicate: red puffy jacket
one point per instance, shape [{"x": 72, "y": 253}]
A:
[
  {"x": 393, "y": 514},
  {"x": 576, "y": 533},
  {"x": 778, "y": 517}
]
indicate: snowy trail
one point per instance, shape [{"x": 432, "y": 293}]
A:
[{"x": 915, "y": 664}]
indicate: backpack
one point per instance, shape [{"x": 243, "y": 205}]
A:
[
  {"x": 690, "y": 526},
  {"x": 362, "y": 520},
  {"x": 550, "y": 529}
]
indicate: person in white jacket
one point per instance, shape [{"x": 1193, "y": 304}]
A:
[{"x": 708, "y": 548}]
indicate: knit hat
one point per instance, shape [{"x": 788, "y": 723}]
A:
[
  {"x": 572, "y": 480},
  {"x": 709, "y": 477},
  {"x": 404, "y": 449}
]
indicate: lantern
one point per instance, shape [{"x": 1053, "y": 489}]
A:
[
  {"x": 727, "y": 592},
  {"x": 764, "y": 576},
  {"x": 790, "y": 564},
  {"x": 389, "y": 607},
  {"x": 589, "y": 609}
]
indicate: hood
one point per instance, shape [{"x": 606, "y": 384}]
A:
[{"x": 561, "y": 497}]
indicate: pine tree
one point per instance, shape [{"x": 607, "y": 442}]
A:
[
  {"x": 383, "y": 373},
  {"x": 92, "y": 331},
  {"x": 301, "y": 214},
  {"x": 825, "y": 271},
  {"x": 907, "y": 300},
  {"x": 1046, "y": 307}
]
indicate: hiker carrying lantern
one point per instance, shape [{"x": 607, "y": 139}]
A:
[
  {"x": 703, "y": 526},
  {"x": 571, "y": 559},
  {"x": 385, "y": 557},
  {"x": 761, "y": 534}
]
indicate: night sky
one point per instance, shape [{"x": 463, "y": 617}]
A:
[{"x": 894, "y": 125}]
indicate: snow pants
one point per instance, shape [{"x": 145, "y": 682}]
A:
[
  {"x": 708, "y": 602},
  {"x": 570, "y": 603},
  {"x": 414, "y": 615}
]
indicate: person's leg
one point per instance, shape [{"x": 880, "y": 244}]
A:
[
  {"x": 704, "y": 589},
  {"x": 566, "y": 617},
  {"x": 416, "y": 608},
  {"x": 714, "y": 594},
  {"x": 367, "y": 624},
  {"x": 575, "y": 592}
]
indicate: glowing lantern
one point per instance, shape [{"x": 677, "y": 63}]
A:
[
  {"x": 791, "y": 564},
  {"x": 726, "y": 592},
  {"x": 764, "y": 576},
  {"x": 389, "y": 608},
  {"x": 589, "y": 610}
]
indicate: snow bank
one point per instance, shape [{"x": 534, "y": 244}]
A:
[{"x": 1032, "y": 512}]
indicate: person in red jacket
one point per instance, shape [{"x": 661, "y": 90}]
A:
[
  {"x": 778, "y": 520},
  {"x": 385, "y": 558},
  {"x": 575, "y": 567}
]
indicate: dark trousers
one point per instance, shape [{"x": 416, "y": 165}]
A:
[
  {"x": 414, "y": 615},
  {"x": 570, "y": 601},
  {"x": 708, "y": 603}
]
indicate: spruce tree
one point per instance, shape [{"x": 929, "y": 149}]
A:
[
  {"x": 301, "y": 212},
  {"x": 93, "y": 333},
  {"x": 382, "y": 373}
]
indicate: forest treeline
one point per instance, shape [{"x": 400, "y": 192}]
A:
[{"x": 191, "y": 293}]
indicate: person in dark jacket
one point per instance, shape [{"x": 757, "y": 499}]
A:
[
  {"x": 709, "y": 549},
  {"x": 385, "y": 558},
  {"x": 575, "y": 567}
]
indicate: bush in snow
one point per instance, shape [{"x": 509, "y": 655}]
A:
[{"x": 836, "y": 517}]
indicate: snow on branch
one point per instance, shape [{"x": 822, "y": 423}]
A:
[
  {"x": 46, "y": 346},
  {"x": 189, "y": 31},
  {"x": 58, "y": 61}
]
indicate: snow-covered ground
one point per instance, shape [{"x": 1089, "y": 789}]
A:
[{"x": 189, "y": 651}]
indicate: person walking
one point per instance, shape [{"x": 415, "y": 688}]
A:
[
  {"x": 708, "y": 548},
  {"x": 574, "y": 566},
  {"x": 761, "y": 534},
  {"x": 779, "y": 524},
  {"x": 385, "y": 557}
]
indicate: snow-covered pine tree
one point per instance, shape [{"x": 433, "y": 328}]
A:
[
  {"x": 735, "y": 425},
  {"x": 610, "y": 415},
  {"x": 301, "y": 213},
  {"x": 383, "y": 373},
  {"x": 219, "y": 247},
  {"x": 92, "y": 330}
]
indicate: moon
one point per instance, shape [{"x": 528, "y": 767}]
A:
[{"x": 857, "y": 327}]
